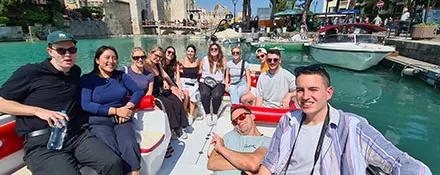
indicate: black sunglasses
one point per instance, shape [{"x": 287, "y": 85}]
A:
[
  {"x": 274, "y": 60},
  {"x": 143, "y": 57},
  {"x": 63, "y": 51},
  {"x": 311, "y": 68},
  {"x": 235, "y": 53}
]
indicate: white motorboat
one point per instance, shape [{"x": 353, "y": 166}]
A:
[
  {"x": 351, "y": 46},
  {"x": 351, "y": 51}
]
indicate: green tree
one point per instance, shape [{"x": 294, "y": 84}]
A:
[
  {"x": 306, "y": 10},
  {"x": 277, "y": 6}
]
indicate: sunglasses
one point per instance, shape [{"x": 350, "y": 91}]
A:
[
  {"x": 260, "y": 56},
  {"x": 157, "y": 55},
  {"x": 213, "y": 49},
  {"x": 311, "y": 68},
  {"x": 170, "y": 52},
  {"x": 63, "y": 51},
  {"x": 143, "y": 57},
  {"x": 272, "y": 60},
  {"x": 240, "y": 117},
  {"x": 235, "y": 53}
]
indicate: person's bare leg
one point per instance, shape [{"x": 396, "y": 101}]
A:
[
  {"x": 134, "y": 173},
  {"x": 192, "y": 107},
  {"x": 186, "y": 100}
]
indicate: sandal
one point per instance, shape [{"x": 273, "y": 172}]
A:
[{"x": 168, "y": 154}]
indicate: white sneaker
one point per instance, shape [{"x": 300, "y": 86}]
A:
[
  {"x": 184, "y": 134},
  {"x": 174, "y": 135},
  {"x": 201, "y": 117},
  {"x": 209, "y": 119},
  {"x": 190, "y": 119},
  {"x": 214, "y": 119}
]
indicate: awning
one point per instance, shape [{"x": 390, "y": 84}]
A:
[{"x": 291, "y": 12}]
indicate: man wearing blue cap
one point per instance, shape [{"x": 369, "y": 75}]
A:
[{"x": 36, "y": 94}]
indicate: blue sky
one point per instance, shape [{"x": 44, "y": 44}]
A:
[{"x": 209, "y": 4}]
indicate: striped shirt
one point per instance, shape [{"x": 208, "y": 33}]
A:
[{"x": 350, "y": 145}]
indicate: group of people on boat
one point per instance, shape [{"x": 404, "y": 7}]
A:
[{"x": 98, "y": 109}]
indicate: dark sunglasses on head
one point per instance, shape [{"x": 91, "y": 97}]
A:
[
  {"x": 274, "y": 60},
  {"x": 143, "y": 57},
  {"x": 240, "y": 117},
  {"x": 170, "y": 52},
  {"x": 310, "y": 68},
  {"x": 213, "y": 49},
  {"x": 235, "y": 53},
  {"x": 63, "y": 51}
]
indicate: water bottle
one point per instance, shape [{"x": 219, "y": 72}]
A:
[{"x": 57, "y": 135}]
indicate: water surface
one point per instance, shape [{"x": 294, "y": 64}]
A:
[{"x": 405, "y": 109}]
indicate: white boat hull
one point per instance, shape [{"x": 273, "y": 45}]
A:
[
  {"x": 153, "y": 136},
  {"x": 349, "y": 55}
]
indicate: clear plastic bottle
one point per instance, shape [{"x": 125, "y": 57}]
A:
[{"x": 57, "y": 135}]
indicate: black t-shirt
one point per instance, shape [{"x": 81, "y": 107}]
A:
[{"x": 42, "y": 85}]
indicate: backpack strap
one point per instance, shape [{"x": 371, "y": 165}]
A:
[{"x": 126, "y": 69}]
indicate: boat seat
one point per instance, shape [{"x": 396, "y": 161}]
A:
[{"x": 151, "y": 140}]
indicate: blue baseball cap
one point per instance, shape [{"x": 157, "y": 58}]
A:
[{"x": 58, "y": 36}]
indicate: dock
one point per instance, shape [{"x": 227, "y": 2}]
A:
[{"x": 428, "y": 72}]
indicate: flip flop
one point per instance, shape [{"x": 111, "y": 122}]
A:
[{"x": 168, "y": 155}]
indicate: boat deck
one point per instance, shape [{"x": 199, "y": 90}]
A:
[
  {"x": 414, "y": 63},
  {"x": 428, "y": 72}
]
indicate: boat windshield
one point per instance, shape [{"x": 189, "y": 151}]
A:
[{"x": 353, "y": 38}]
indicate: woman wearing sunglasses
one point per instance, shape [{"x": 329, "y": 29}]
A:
[
  {"x": 212, "y": 87},
  {"x": 104, "y": 96},
  {"x": 137, "y": 72},
  {"x": 187, "y": 79},
  {"x": 173, "y": 105},
  {"x": 240, "y": 76},
  {"x": 169, "y": 64}
]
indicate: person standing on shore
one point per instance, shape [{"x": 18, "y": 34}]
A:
[{"x": 36, "y": 93}]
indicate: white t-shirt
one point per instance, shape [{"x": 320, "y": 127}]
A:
[{"x": 273, "y": 88}]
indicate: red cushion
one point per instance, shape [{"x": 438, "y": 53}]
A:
[
  {"x": 254, "y": 80},
  {"x": 11, "y": 142},
  {"x": 147, "y": 102},
  {"x": 267, "y": 115}
]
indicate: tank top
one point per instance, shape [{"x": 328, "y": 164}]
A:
[
  {"x": 190, "y": 72},
  {"x": 218, "y": 75}
]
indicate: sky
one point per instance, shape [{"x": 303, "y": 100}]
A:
[{"x": 209, "y": 4}]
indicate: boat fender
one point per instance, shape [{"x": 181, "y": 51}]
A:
[
  {"x": 410, "y": 71},
  {"x": 147, "y": 102}
]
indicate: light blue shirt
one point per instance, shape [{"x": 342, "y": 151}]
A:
[
  {"x": 240, "y": 143},
  {"x": 351, "y": 152}
]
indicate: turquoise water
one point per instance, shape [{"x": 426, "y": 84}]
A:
[{"x": 406, "y": 110}]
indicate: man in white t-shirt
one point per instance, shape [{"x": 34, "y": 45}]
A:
[{"x": 275, "y": 87}]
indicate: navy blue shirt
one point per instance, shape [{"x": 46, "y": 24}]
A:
[{"x": 99, "y": 94}]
